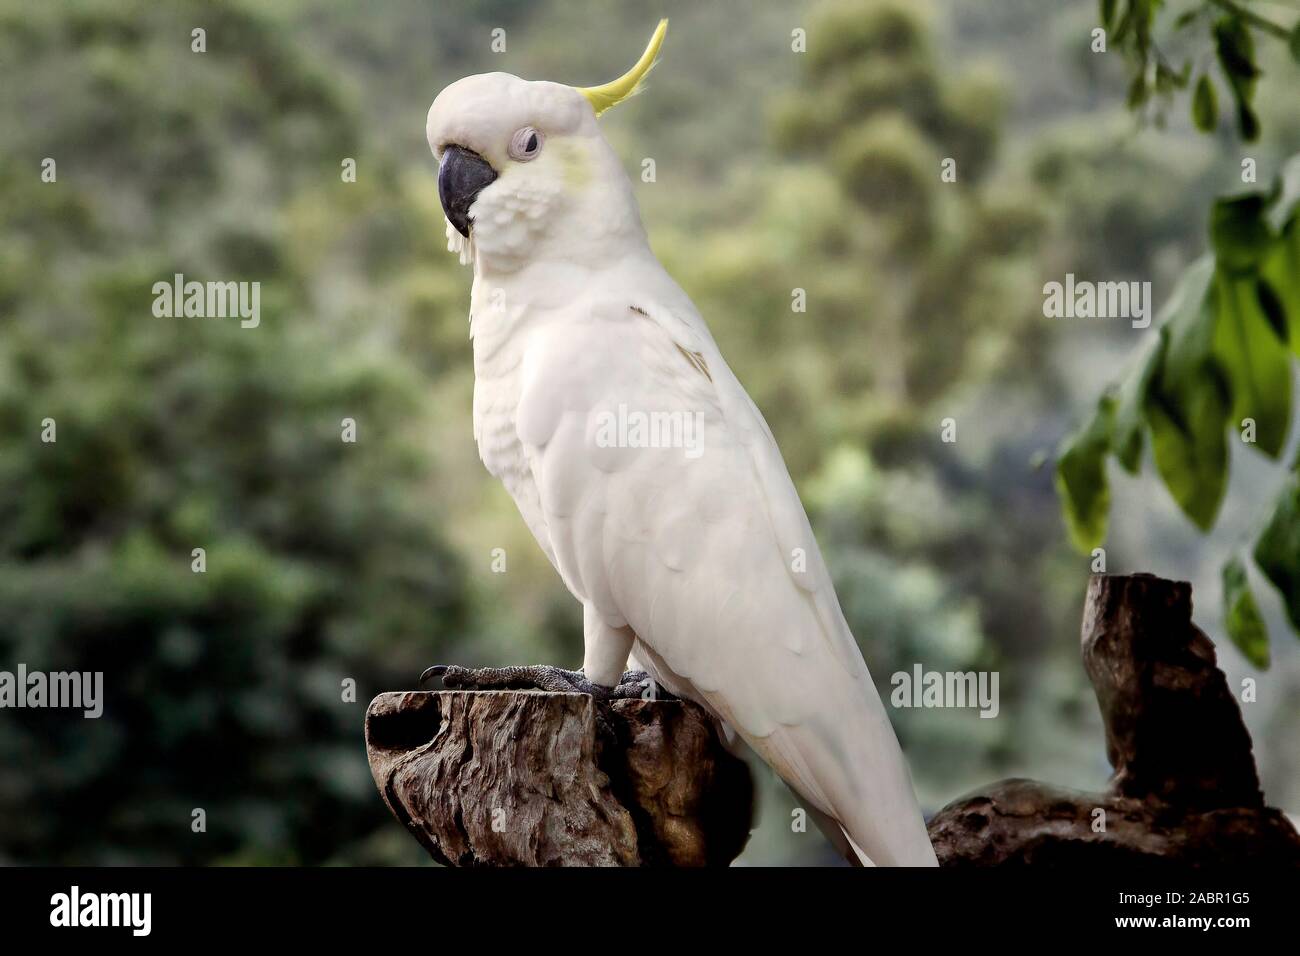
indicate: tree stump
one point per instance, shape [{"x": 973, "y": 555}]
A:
[
  {"x": 526, "y": 778},
  {"x": 1185, "y": 790}
]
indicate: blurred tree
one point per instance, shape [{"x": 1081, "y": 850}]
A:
[
  {"x": 225, "y": 690},
  {"x": 910, "y": 146}
]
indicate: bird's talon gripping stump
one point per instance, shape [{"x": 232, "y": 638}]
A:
[
  {"x": 523, "y": 677},
  {"x": 529, "y": 778},
  {"x": 632, "y": 684}
]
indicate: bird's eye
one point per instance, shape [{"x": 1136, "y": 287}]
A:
[{"x": 525, "y": 144}]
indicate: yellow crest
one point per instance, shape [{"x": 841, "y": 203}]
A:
[{"x": 602, "y": 98}]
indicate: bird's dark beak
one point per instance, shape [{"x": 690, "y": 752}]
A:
[{"x": 462, "y": 175}]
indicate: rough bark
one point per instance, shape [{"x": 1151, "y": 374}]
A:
[
  {"x": 524, "y": 778},
  {"x": 1026, "y": 822},
  {"x": 1185, "y": 790}
]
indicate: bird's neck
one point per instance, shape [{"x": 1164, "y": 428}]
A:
[{"x": 549, "y": 288}]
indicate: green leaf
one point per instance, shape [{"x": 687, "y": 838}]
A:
[
  {"x": 1247, "y": 120},
  {"x": 1294, "y": 43},
  {"x": 1189, "y": 401},
  {"x": 1236, "y": 53},
  {"x": 1122, "y": 28},
  {"x": 1144, "y": 12},
  {"x": 1277, "y": 552},
  {"x": 1239, "y": 231},
  {"x": 1271, "y": 304},
  {"x": 1191, "y": 453},
  {"x": 1137, "y": 92},
  {"x": 1235, "y": 47},
  {"x": 1255, "y": 360},
  {"x": 1241, "y": 614},
  {"x": 1126, "y": 437},
  {"x": 1281, "y": 271},
  {"x": 1108, "y": 13},
  {"x": 1168, "y": 79},
  {"x": 1205, "y": 107},
  {"x": 1081, "y": 478}
]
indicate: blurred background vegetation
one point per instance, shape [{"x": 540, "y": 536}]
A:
[{"x": 329, "y": 561}]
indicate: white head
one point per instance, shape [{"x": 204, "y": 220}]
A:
[{"x": 524, "y": 173}]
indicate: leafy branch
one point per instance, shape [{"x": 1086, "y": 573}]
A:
[
  {"x": 1254, "y": 19},
  {"x": 1219, "y": 362},
  {"x": 1232, "y": 27}
]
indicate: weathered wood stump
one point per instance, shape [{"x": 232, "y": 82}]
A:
[
  {"x": 525, "y": 778},
  {"x": 1185, "y": 790}
]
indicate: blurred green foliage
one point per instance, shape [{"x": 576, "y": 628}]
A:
[{"x": 224, "y": 689}]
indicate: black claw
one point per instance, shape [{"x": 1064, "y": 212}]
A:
[{"x": 437, "y": 670}]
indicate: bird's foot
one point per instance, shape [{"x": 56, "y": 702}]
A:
[
  {"x": 635, "y": 684},
  {"x": 632, "y": 684},
  {"x": 525, "y": 677}
]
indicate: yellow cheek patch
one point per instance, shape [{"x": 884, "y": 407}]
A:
[{"x": 569, "y": 156}]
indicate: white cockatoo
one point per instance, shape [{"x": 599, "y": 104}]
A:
[{"x": 642, "y": 467}]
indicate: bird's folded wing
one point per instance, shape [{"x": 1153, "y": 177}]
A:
[{"x": 691, "y": 532}]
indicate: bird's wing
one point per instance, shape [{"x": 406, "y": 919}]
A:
[{"x": 707, "y": 553}]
